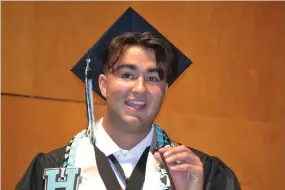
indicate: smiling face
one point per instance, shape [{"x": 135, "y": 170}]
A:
[{"x": 134, "y": 91}]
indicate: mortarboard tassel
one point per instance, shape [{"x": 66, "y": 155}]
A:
[{"x": 89, "y": 101}]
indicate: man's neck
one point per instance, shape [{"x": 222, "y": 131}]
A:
[{"x": 123, "y": 138}]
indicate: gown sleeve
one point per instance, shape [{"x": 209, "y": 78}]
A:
[
  {"x": 33, "y": 177},
  {"x": 217, "y": 175}
]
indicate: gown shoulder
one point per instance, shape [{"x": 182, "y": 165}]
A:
[{"x": 33, "y": 177}]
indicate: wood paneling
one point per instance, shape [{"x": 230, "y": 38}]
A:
[
  {"x": 229, "y": 103},
  {"x": 30, "y": 126}
]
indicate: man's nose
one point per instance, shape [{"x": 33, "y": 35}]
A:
[{"x": 139, "y": 85}]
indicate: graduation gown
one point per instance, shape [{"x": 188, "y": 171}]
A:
[{"x": 217, "y": 175}]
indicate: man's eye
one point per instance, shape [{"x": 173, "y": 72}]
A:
[
  {"x": 152, "y": 79},
  {"x": 127, "y": 76}
]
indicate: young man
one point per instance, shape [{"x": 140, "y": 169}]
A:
[{"x": 130, "y": 151}]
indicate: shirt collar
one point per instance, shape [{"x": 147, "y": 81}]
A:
[{"x": 105, "y": 143}]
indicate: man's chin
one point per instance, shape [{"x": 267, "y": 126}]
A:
[
  {"x": 133, "y": 123},
  {"x": 132, "y": 120}
]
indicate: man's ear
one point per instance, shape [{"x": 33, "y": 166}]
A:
[{"x": 102, "y": 81}]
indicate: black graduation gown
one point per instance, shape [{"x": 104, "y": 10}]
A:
[{"x": 217, "y": 175}]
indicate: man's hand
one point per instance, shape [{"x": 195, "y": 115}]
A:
[{"x": 186, "y": 169}]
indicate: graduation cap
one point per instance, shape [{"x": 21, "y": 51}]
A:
[{"x": 130, "y": 21}]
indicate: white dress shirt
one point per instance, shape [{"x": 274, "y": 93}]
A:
[{"x": 85, "y": 159}]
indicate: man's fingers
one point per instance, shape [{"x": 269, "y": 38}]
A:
[
  {"x": 193, "y": 169},
  {"x": 168, "y": 151},
  {"x": 173, "y": 150},
  {"x": 184, "y": 157},
  {"x": 157, "y": 157},
  {"x": 195, "y": 173},
  {"x": 179, "y": 153}
]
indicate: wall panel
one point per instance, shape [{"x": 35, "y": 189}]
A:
[
  {"x": 229, "y": 103},
  {"x": 30, "y": 126}
]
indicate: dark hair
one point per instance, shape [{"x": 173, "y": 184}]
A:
[{"x": 165, "y": 53}]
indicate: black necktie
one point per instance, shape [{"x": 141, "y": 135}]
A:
[
  {"x": 119, "y": 167},
  {"x": 136, "y": 180}
]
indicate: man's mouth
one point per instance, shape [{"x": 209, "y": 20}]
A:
[{"x": 137, "y": 104}]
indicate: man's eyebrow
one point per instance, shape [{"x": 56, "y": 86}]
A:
[
  {"x": 153, "y": 70},
  {"x": 128, "y": 66},
  {"x": 134, "y": 67}
]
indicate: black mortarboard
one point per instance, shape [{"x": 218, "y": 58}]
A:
[{"x": 130, "y": 21}]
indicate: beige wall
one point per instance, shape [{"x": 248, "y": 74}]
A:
[{"x": 229, "y": 103}]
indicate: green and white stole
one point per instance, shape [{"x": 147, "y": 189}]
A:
[{"x": 68, "y": 176}]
